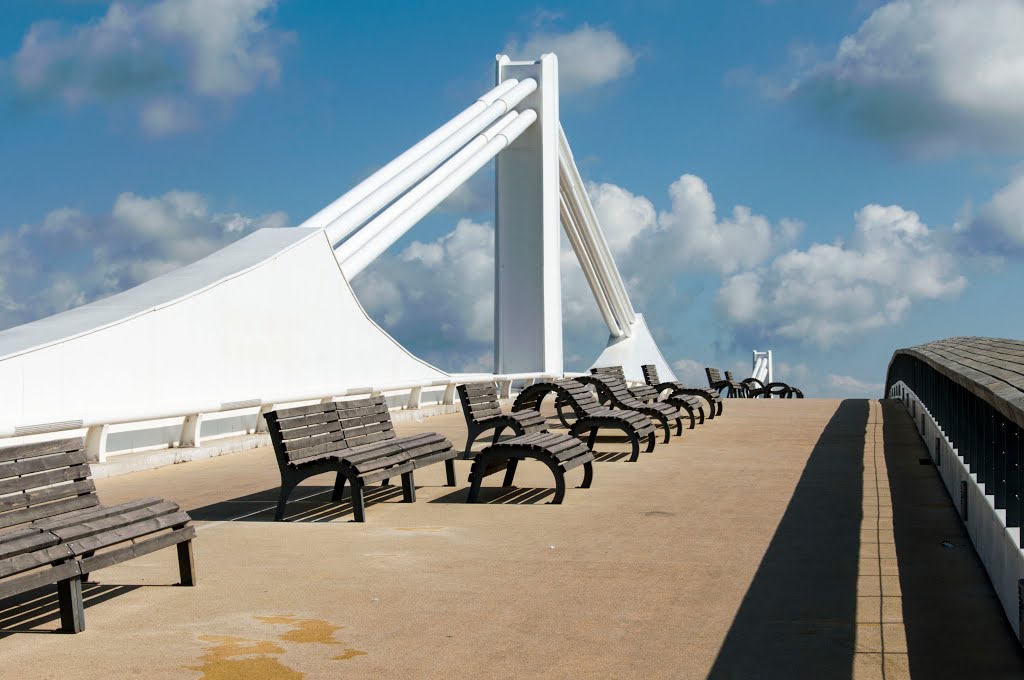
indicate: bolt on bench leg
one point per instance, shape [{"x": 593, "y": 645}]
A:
[{"x": 72, "y": 610}]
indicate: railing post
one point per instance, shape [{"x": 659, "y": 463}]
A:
[
  {"x": 504, "y": 389},
  {"x": 449, "y": 394},
  {"x": 261, "y": 420},
  {"x": 96, "y": 443},
  {"x": 190, "y": 431},
  {"x": 415, "y": 395}
]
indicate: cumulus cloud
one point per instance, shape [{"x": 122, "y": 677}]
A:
[
  {"x": 998, "y": 227},
  {"x": 588, "y": 57},
  {"x": 927, "y": 75},
  {"x": 830, "y": 292},
  {"x": 151, "y": 55},
  {"x": 690, "y": 235},
  {"x": 437, "y": 297},
  {"x": 70, "y": 257},
  {"x": 848, "y": 386},
  {"x": 690, "y": 372}
]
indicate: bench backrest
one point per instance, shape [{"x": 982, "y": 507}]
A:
[
  {"x": 479, "y": 401},
  {"x": 43, "y": 480},
  {"x": 611, "y": 371},
  {"x": 714, "y": 376},
  {"x": 650, "y": 374},
  {"x": 617, "y": 389},
  {"x": 308, "y": 431}
]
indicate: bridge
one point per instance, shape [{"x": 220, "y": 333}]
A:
[{"x": 811, "y": 538}]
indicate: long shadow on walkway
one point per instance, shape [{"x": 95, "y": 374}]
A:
[
  {"x": 797, "y": 619},
  {"x": 955, "y": 626}
]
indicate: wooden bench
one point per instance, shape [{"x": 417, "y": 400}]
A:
[
  {"x": 711, "y": 396},
  {"x": 726, "y": 386},
  {"x": 53, "y": 529},
  {"x": 559, "y": 452},
  {"x": 615, "y": 392},
  {"x": 590, "y": 415},
  {"x": 483, "y": 412},
  {"x": 691, "y": 406},
  {"x": 354, "y": 440}
]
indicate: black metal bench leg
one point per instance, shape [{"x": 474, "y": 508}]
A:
[
  {"x": 358, "y": 506},
  {"x": 497, "y": 433},
  {"x": 588, "y": 475},
  {"x": 287, "y": 487},
  {"x": 668, "y": 429},
  {"x": 510, "y": 471},
  {"x": 592, "y": 439},
  {"x": 634, "y": 442},
  {"x": 651, "y": 441},
  {"x": 449, "y": 471},
  {"x": 476, "y": 477},
  {"x": 72, "y": 610},
  {"x": 559, "y": 484},
  {"x": 408, "y": 488},
  {"x": 339, "y": 487},
  {"x": 679, "y": 425},
  {"x": 186, "y": 565}
]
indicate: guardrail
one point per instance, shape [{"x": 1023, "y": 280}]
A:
[
  {"x": 966, "y": 398},
  {"x": 97, "y": 429}
]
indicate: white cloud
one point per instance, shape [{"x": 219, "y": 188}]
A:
[
  {"x": 70, "y": 258},
  {"x": 847, "y": 386},
  {"x": 588, "y": 57},
  {"x": 437, "y": 297},
  {"x": 690, "y": 372},
  {"x": 140, "y": 53},
  {"x": 831, "y": 292},
  {"x": 998, "y": 227},
  {"x": 927, "y": 75}
]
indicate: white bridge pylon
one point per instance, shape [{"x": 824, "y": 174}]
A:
[
  {"x": 272, "y": 318},
  {"x": 538, "y": 187}
]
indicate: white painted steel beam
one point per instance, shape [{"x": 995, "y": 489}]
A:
[
  {"x": 436, "y": 187},
  {"x": 587, "y": 265},
  {"x": 394, "y": 187},
  {"x": 330, "y": 213}
]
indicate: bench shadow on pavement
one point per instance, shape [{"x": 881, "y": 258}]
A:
[
  {"x": 307, "y": 504},
  {"x": 25, "y": 613},
  {"x": 954, "y": 623},
  {"x": 797, "y": 619}
]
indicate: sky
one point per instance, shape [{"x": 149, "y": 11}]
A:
[{"x": 831, "y": 181}]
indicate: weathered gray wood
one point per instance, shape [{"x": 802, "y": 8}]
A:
[
  {"x": 43, "y": 479},
  {"x": 29, "y": 466},
  {"x": 40, "y": 448},
  {"x": 9, "y": 519}
]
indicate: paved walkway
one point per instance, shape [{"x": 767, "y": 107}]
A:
[{"x": 787, "y": 539}]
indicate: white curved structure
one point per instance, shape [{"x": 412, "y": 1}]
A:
[{"x": 272, "y": 318}]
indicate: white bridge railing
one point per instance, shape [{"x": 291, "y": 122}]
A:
[{"x": 182, "y": 428}]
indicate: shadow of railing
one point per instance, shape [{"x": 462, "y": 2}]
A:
[
  {"x": 954, "y": 623},
  {"x": 797, "y": 619}
]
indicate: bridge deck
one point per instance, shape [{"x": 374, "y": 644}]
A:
[{"x": 786, "y": 539}]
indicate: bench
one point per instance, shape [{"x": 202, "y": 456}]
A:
[
  {"x": 53, "y": 529},
  {"x": 590, "y": 415},
  {"x": 726, "y": 385},
  {"x": 711, "y": 396},
  {"x": 692, "y": 406},
  {"x": 559, "y": 452},
  {"x": 756, "y": 388},
  {"x": 483, "y": 412},
  {"x": 615, "y": 392},
  {"x": 356, "y": 441}
]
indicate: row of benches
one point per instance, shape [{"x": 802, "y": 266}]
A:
[{"x": 54, "y": 530}]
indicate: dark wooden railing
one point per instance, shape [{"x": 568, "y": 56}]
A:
[{"x": 974, "y": 389}]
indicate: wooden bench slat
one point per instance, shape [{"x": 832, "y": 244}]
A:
[
  {"x": 32, "y": 560},
  {"x": 45, "y": 478},
  {"x": 35, "y": 541},
  {"x": 9, "y": 519},
  {"x": 40, "y": 449},
  {"x": 44, "y": 495},
  {"x": 137, "y": 549},
  {"x": 113, "y": 521},
  {"x": 28, "y": 466},
  {"x": 88, "y": 514},
  {"x": 125, "y": 533}
]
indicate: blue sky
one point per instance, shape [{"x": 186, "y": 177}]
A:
[{"x": 863, "y": 161}]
